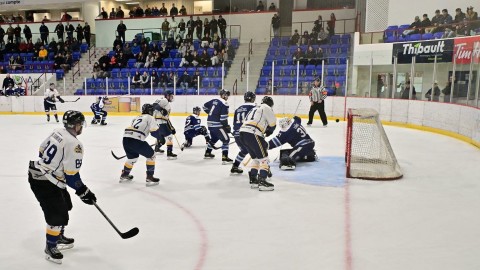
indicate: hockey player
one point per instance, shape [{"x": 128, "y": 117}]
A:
[
  {"x": 217, "y": 122},
  {"x": 238, "y": 118},
  {"x": 99, "y": 114},
  {"x": 61, "y": 156},
  {"x": 194, "y": 128},
  {"x": 293, "y": 133},
  {"x": 135, "y": 145},
  {"x": 50, "y": 97},
  {"x": 259, "y": 121},
  {"x": 19, "y": 90},
  {"x": 166, "y": 130}
]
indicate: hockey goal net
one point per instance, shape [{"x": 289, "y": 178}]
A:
[{"x": 369, "y": 154}]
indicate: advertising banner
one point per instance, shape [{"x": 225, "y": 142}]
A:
[
  {"x": 123, "y": 104},
  {"x": 467, "y": 50},
  {"x": 424, "y": 51}
]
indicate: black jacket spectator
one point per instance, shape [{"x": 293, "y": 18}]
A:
[
  {"x": 117, "y": 42},
  {"x": 59, "y": 29},
  {"x": 139, "y": 12},
  {"x": 163, "y": 10},
  {"x": 7, "y": 81},
  {"x": 459, "y": 15},
  {"x": 120, "y": 13},
  {"x": 183, "y": 11},
  {"x": 103, "y": 14},
  {"x": 173, "y": 10},
  {"x": 121, "y": 28},
  {"x": 27, "y": 32}
]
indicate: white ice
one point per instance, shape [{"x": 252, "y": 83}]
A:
[{"x": 200, "y": 217}]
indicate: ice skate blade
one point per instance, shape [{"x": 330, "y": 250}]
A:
[
  {"x": 253, "y": 186},
  {"x": 171, "y": 158},
  {"x": 151, "y": 184},
  {"x": 208, "y": 157},
  {"x": 64, "y": 246},
  {"x": 287, "y": 168},
  {"x": 48, "y": 258},
  {"x": 262, "y": 188},
  {"x": 226, "y": 162},
  {"x": 123, "y": 181}
]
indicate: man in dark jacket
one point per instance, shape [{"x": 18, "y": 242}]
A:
[
  {"x": 86, "y": 33},
  {"x": 121, "y": 28},
  {"x": 222, "y": 24},
  {"x": 59, "y": 29},
  {"x": 173, "y": 10},
  {"x": 44, "y": 33},
  {"x": 27, "y": 32}
]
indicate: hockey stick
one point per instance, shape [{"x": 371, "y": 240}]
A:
[
  {"x": 131, "y": 233},
  {"x": 73, "y": 100},
  {"x": 118, "y": 158},
  {"x": 219, "y": 147},
  {"x": 181, "y": 148}
]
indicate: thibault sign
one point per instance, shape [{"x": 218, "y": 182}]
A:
[{"x": 424, "y": 51}]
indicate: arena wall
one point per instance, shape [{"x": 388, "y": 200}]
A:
[{"x": 458, "y": 121}]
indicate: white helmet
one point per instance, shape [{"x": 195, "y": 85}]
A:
[{"x": 285, "y": 123}]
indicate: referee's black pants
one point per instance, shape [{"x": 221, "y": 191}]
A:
[{"x": 320, "y": 107}]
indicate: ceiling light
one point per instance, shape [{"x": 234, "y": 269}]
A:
[{"x": 132, "y": 3}]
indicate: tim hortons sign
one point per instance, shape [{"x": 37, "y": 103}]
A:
[{"x": 467, "y": 50}]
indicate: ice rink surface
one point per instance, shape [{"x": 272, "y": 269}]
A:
[{"x": 200, "y": 217}]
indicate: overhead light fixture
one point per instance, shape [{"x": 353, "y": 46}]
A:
[
  {"x": 122, "y": 0},
  {"x": 132, "y": 3}
]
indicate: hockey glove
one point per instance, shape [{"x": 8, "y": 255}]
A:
[
  {"x": 172, "y": 129},
  {"x": 86, "y": 195},
  {"x": 269, "y": 131},
  {"x": 61, "y": 100},
  {"x": 227, "y": 128}
]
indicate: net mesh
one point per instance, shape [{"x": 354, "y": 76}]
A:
[{"x": 369, "y": 153}]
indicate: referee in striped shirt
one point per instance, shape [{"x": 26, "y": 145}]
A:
[{"x": 317, "y": 96}]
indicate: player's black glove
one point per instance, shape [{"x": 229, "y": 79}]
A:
[
  {"x": 269, "y": 131},
  {"x": 61, "y": 100},
  {"x": 86, "y": 195},
  {"x": 172, "y": 129},
  {"x": 227, "y": 128},
  {"x": 297, "y": 119},
  {"x": 163, "y": 111}
]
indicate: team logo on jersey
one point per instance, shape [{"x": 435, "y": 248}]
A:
[{"x": 78, "y": 149}]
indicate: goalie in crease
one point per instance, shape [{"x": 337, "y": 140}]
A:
[{"x": 293, "y": 133}]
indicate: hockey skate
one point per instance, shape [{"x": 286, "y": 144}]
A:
[
  {"x": 263, "y": 185},
  {"x": 56, "y": 118},
  {"x": 103, "y": 123},
  {"x": 152, "y": 181},
  {"x": 125, "y": 177},
  {"x": 53, "y": 254},
  {"x": 226, "y": 160},
  {"x": 185, "y": 145},
  {"x": 253, "y": 181},
  {"x": 208, "y": 155},
  {"x": 64, "y": 242},
  {"x": 48, "y": 118},
  {"x": 171, "y": 155},
  {"x": 94, "y": 121},
  {"x": 158, "y": 149},
  {"x": 236, "y": 170}
]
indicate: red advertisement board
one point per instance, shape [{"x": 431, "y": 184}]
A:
[{"x": 467, "y": 50}]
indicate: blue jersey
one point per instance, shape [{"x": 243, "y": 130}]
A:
[
  {"x": 192, "y": 126},
  {"x": 98, "y": 106},
  {"x": 217, "y": 110},
  {"x": 240, "y": 114},
  {"x": 295, "y": 135}
]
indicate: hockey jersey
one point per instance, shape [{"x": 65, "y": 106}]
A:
[
  {"x": 98, "y": 106},
  {"x": 259, "y": 119},
  {"x": 295, "y": 135},
  {"x": 239, "y": 116},
  {"x": 217, "y": 110},
  {"x": 61, "y": 156},
  {"x": 192, "y": 125},
  {"x": 162, "y": 116},
  {"x": 141, "y": 127},
  {"x": 51, "y": 95}
]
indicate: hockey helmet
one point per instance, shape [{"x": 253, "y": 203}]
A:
[
  {"x": 224, "y": 94},
  {"x": 72, "y": 118},
  {"x": 168, "y": 95},
  {"x": 267, "y": 100},
  {"x": 249, "y": 96},
  {"x": 147, "y": 109},
  {"x": 52, "y": 86},
  {"x": 285, "y": 123},
  {"x": 197, "y": 110}
]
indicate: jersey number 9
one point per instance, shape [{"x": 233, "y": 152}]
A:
[{"x": 49, "y": 153}]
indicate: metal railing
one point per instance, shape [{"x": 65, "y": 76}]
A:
[
  {"x": 90, "y": 53},
  {"x": 235, "y": 87},
  {"x": 76, "y": 64},
  {"x": 250, "y": 48},
  {"x": 242, "y": 69}
]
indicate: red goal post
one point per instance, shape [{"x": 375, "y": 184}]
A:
[{"x": 368, "y": 153}]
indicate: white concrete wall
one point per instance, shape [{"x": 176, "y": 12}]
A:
[
  {"x": 459, "y": 119},
  {"x": 312, "y": 15}
]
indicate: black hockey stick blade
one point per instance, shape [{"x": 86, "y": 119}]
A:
[
  {"x": 73, "y": 100},
  {"x": 130, "y": 233},
  {"x": 115, "y": 156}
]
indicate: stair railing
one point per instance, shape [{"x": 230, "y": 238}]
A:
[{"x": 242, "y": 69}]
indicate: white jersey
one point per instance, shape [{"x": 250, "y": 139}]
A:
[
  {"x": 51, "y": 95},
  {"x": 258, "y": 119},
  {"x": 60, "y": 154},
  {"x": 141, "y": 127},
  {"x": 159, "y": 117}
]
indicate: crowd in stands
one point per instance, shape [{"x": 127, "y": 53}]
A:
[
  {"x": 442, "y": 25},
  {"x": 19, "y": 18},
  {"x": 138, "y": 12},
  {"x": 10, "y": 88}
]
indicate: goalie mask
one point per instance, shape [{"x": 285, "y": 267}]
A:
[{"x": 285, "y": 123}]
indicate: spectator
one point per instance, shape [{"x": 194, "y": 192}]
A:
[
  {"x": 69, "y": 29},
  {"x": 276, "y": 25},
  {"x": 199, "y": 27},
  {"x": 148, "y": 11},
  {"x": 27, "y": 32},
  {"x": 29, "y": 17},
  {"x": 270, "y": 89},
  {"x": 322, "y": 37},
  {"x": 173, "y": 27},
  {"x": 305, "y": 39},
  {"x": 121, "y": 29},
  {"x": 188, "y": 39},
  {"x": 158, "y": 62},
  {"x": 183, "y": 11},
  {"x": 310, "y": 56},
  {"x": 16, "y": 63},
  {"x": 319, "y": 56},
  {"x": 11, "y": 47},
  {"x": 112, "y": 14},
  {"x": 121, "y": 60},
  {"x": 215, "y": 59},
  {"x": 195, "y": 59},
  {"x": 2, "y": 34},
  {"x": 260, "y": 6},
  {"x": 59, "y": 29},
  {"x": 181, "y": 28},
  {"x": 173, "y": 10},
  {"x": 272, "y": 7},
  {"x": 163, "y": 10},
  {"x": 178, "y": 41},
  {"x": 406, "y": 91},
  {"x": 436, "y": 93},
  {"x": 163, "y": 81},
  {"x": 206, "y": 40},
  {"x": 66, "y": 17},
  {"x": 19, "y": 89},
  {"x": 58, "y": 61},
  {"x": 86, "y": 33},
  {"x": 79, "y": 31},
  {"x": 10, "y": 33},
  {"x": 18, "y": 34},
  {"x": 196, "y": 78},
  {"x": 42, "y": 54},
  {"x": 472, "y": 18},
  {"x": 139, "y": 12},
  {"x": 131, "y": 13},
  {"x": 331, "y": 25},
  {"x": 213, "y": 26},
  {"x": 204, "y": 59},
  {"x": 97, "y": 71},
  {"x": 206, "y": 27},
  {"x": 9, "y": 90},
  {"x": 413, "y": 28},
  {"x": 164, "y": 51},
  {"x": 136, "y": 79},
  {"x": 190, "y": 26},
  {"x": 104, "y": 59},
  {"x": 45, "y": 19},
  {"x": 155, "y": 11},
  {"x": 447, "y": 90},
  {"x": 449, "y": 33},
  {"x": 185, "y": 80},
  {"x": 22, "y": 47},
  {"x": 447, "y": 18},
  {"x": 165, "y": 29},
  {"x": 459, "y": 15},
  {"x": 120, "y": 13},
  {"x": 68, "y": 62},
  {"x": 216, "y": 42},
  {"x": 298, "y": 55},
  {"x": 140, "y": 60},
  {"x": 426, "y": 23},
  {"x": 437, "y": 21},
  {"x": 318, "y": 24},
  {"x": 113, "y": 61},
  {"x": 145, "y": 80},
  {"x": 154, "y": 78},
  {"x": 230, "y": 50},
  {"x": 463, "y": 29},
  {"x": 171, "y": 43},
  {"x": 30, "y": 46},
  {"x": 222, "y": 25},
  {"x": 150, "y": 59},
  {"x": 117, "y": 43}
]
